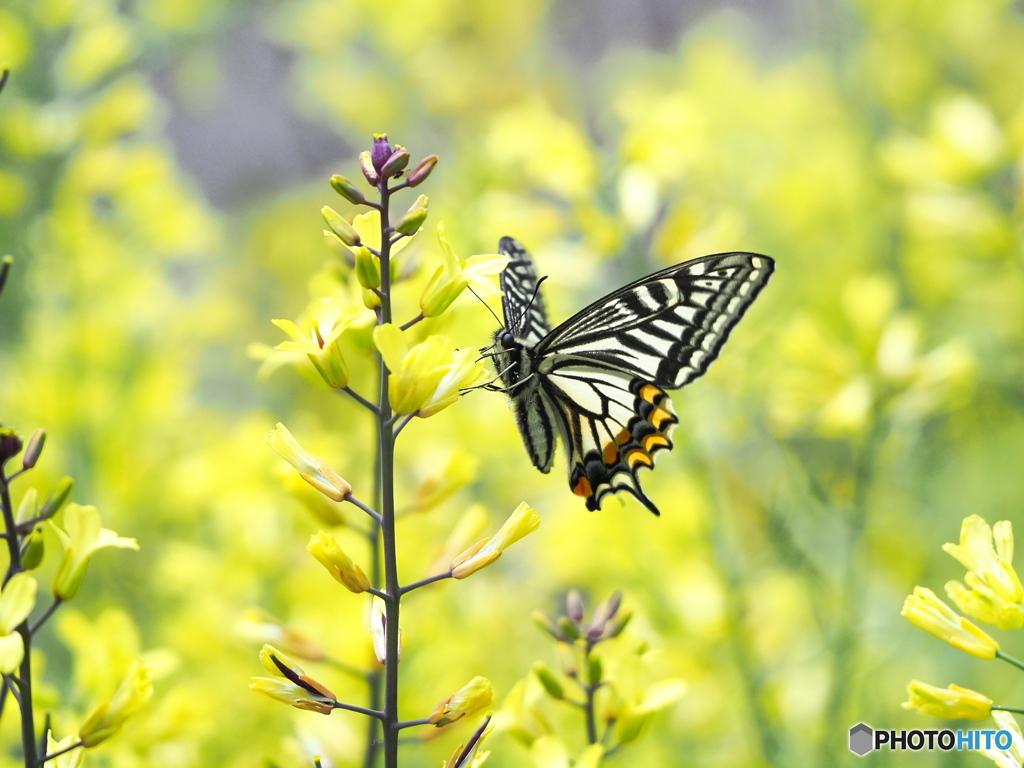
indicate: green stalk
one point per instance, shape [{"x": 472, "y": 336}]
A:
[
  {"x": 28, "y": 737},
  {"x": 386, "y": 443}
]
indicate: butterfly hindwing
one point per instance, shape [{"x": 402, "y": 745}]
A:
[{"x": 599, "y": 379}]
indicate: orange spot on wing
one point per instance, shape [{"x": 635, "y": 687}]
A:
[
  {"x": 623, "y": 437},
  {"x": 639, "y": 457},
  {"x": 654, "y": 441},
  {"x": 650, "y": 393},
  {"x": 658, "y": 417},
  {"x": 611, "y": 453},
  {"x": 582, "y": 487}
]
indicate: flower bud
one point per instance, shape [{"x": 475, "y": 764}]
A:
[
  {"x": 312, "y": 469},
  {"x": 29, "y": 506},
  {"x": 10, "y": 445},
  {"x": 544, "y": 622},
  {"x": 367, "y": 268},
  {"x": 381, "y": 152},
  {"x": 420, "y": 173},
  {"x": 107, "y": 719},
  {"x": 414, "y": 217},
  {"x": 347, "y": 189},
  {"x": 549, "y": 681},
  {"x": 574, "y": 606},
  {"x": 952, "y": 703},
  {"x": 57, "y": 497},
  {"x": 32, "y": 554},
  {"x": 474, "y": 696},
  {"x": 326, "y": 550},
  {"x": 33, "y": 449},
  {"x": 291, "y": 684},
  {"x": 340, "y": 226},
  {"x": 396, "y": 163},
  {"x": 566, "y": 658},
  {"x": 366, "y": 164},
  {"x": 568, "y": 628}
]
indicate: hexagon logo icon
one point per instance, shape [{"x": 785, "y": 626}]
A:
[{"x": 862, "y": 739}]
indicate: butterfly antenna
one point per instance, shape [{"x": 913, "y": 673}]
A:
[
  {"x": 536, "y": 293},
  {"x": 500, "y": 324}
]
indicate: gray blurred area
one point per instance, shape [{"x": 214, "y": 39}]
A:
[{"x": 250, "y": 141}]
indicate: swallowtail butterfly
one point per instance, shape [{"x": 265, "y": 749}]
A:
[{"x": 598, "y": 380}]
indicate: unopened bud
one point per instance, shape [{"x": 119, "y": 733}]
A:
[
  {"x": 549, "y": 681},
  {"x": 566, "y": 658},
  {"x": 420, "y": 173},
  {"x": 367, "y": 268},
  {"x": 347, "y": 189},
  {"x": 366, "y": 164},
  {"x": 544, "y": 622},
  {"x": 381, "y": 151},
  {"x": 396, "y": 163},
  {"x": 32, "y": 554},
  {"x": 10, "y": 445},
  {"x": 414, "y": 217},
  {"x": 568, "y": 628},
  {"x": 28, "y": 509},
  {"x": 33, "y": 449},
  {"x": 340, "y": 226},
  {"x": 574, "y": 605},
  {"x": 57, "y": 497}
]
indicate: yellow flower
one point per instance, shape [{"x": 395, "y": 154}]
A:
[
  {"x": 368, "y": 226},
  {"x": 324, "y": 548},
  {"x": 475, "y": 696},
  {"x": 81, "y": 537},
  {"x": 522, "y": 522},
  {"x": 17, "y": 600},
  {"x": 981, "y": 603},
  {"x": 923, "y": 609},
  {"x": 991, "y": 566},
  {"x": 70, "y": 759},
  {"x": 134, "y": 691},
  {"x": 425, "y": 378},
  {"x": 951, "y": 703},
  {"x": 312, "y": 469},
  {"x": 290, "y": 684},
  {"x": 1013, "y": 756},
  {"x": 456, "y": 274},
  {"x": 458, "y": 472},
  {"x": 321, "y": 343}
]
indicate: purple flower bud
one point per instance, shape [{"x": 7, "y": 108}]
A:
[
  {"x": 574, "y": 606},
  {"x": 396, "y": 163},
  {"x": 10, "y": 445},
  {"x": 419, "y": 174},
  {"x": 381, "y": 151}
]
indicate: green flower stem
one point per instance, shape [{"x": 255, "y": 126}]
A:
[
  {"x": 402, "y": 423},
  {"x": 412, "y": 723},
  {"x": 45, "y": 617},
  {"x": 359, "y": 399},
  {"x": 60, "y": 752},
  {"x": 386, "y": 444},
  {"x": 1009, "y": 660},
  {"x": 411, "y": 323},
  {"x": 28, "y": 728},
  {"x": 423, "y": 582},
  {"x": 361, "y": 710},
  {"x": 365, "y": 507},
  {"x": 1015, "y": 710}
]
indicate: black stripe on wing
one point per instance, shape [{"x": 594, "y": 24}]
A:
[
  {"x": 666, "y": 328},
  {"x": 614, "y": 426},
  {"x": 523, "y": 306}
]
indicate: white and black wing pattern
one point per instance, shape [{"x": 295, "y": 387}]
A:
[
  {"x": 523, "y": 306},
  {"x": 601, "y": 375}
]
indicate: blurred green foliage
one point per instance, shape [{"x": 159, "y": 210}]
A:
[{"x": 872, "y": 398}]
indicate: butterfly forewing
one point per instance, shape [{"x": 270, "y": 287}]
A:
[
  {"x": 598, "y": 379},
  {"x": 525, "y": 316}
]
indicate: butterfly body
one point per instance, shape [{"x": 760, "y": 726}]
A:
[{"x": 598, "y": 380}]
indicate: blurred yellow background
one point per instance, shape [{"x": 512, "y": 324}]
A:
[{"x": 162, "y": 167}]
